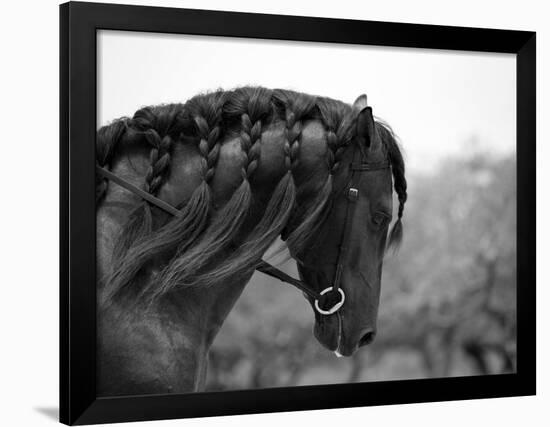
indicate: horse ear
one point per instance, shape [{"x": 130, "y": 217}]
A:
[
  {"x": 360, "y": 102},
  {"x": 366, "y": 129}
]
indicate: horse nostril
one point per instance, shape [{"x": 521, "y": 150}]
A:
[{"x": 367, "y": 338}]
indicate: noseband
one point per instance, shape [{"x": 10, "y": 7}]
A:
[{"x": 265, "y": 267}]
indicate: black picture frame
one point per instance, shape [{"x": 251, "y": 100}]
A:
[{"x": 78, "y": 25}]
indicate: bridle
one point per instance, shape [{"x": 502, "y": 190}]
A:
[{"x": 352, "y": 196}]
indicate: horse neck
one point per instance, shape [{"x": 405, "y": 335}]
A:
[
  {"x": 176, "y": 333},
  {"x": 180, "y": 328}
]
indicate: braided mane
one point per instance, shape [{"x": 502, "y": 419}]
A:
[{"x": 194, "y": 241}]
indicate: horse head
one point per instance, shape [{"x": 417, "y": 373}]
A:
[{"x": 344, "y": 261}]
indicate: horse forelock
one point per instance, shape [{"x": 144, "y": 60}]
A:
[{"x": 196, "y": 239}]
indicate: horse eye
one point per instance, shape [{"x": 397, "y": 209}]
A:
[{"x": 379, "y": 219}]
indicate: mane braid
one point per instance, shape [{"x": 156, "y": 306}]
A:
[
  {"x": 226, "y": 223},
  {"x": 399, "y": 182},
  {"x": 108, "y": 138},
  {"x": 338, "y": 123},
  {"x": 182, "y": 231},
  {"x": 140, "y": 220},
  {"x": 244, "y": 260}
]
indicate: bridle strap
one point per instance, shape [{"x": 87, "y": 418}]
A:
[
  {"x": 352, "y": 196},
  {"x": 138, "y": 192},
  {"x": 372, "y": 166},
  {"x": 274, "y": 272}
]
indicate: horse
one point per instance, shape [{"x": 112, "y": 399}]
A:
[{"x": 213, "y": 183}]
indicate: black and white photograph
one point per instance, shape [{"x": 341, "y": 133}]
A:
[
  {"x": 243, "y": 214},
  {"x": 278, "y": 213}
]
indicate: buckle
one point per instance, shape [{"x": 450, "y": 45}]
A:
[{"x": 353, "y": 194}]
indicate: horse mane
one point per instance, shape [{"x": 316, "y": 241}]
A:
[{"x": 194, "y": 240}]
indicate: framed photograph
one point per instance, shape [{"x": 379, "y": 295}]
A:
[{"x": 267, "y": 213}]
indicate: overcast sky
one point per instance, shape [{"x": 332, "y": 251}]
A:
[{"x": 438, "y": 102}]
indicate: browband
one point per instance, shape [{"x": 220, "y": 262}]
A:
[{"x": 370, "y": 166}]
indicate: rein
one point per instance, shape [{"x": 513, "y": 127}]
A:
[{"x": 265, "y": 267}]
